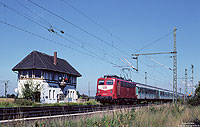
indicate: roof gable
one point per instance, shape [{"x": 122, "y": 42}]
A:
[{"x": 38, "y": 60}]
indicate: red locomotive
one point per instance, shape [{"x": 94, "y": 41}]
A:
[{"x": 112, "y": 89}]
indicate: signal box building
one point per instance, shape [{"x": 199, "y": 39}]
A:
[{"x": 53, "y": 79}]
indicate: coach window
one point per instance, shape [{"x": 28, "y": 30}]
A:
[
  {"x": 101, "y": 82},
  {"x": 132, "y": 85},
  {"x": 122, "y": 84},
  {"x": 109, "y": 82},
  {"x": 125, "y": 84},
  {"x": 139, "y": 90}
]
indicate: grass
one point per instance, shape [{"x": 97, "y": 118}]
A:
[
  {"x": 157, "y": 116},
  {"x": 167, "y": 115},
  {"x": 29, "y": 103},
  {"x": 7, "y": 99}
]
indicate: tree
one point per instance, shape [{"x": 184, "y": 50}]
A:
[
  {"x": 11, "y": 96},
  {"x": 197, "y": 91},
  {"x": 79, "y": 95},
  {"x": 31, "y": 90},
  {"x": 196, "y": 99}
]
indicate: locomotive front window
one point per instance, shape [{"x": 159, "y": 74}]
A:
[
  {"x": 101, "y": 82},
  {"x": 109, "y": 82}
]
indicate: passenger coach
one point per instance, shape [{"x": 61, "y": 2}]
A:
[{"x": 114, "y": 89}]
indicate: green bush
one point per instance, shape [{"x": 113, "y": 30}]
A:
[
  {"x": 6, "y": 104},
  {"x": 24, "y": 102},
  {"x": 196, "y": 99},
  {"x": 91, "y": 102}
]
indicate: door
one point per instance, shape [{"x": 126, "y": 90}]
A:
[
  {"x": 136, "y": 91},
  {"x": 118, "y": 88}
]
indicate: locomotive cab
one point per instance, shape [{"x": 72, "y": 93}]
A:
[
  {"x": 105, "y": 91},
  {"x": 114, "y": 89}
]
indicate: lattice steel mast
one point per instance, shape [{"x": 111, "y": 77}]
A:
[
  {"x": 174, "y": 65},
  {"x": 175, "y": 70},
  {"x": 192, "y": 78},
  {"x": 185, "y": 85}
]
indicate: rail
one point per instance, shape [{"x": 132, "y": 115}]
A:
[{"x": 27, "y": 112}]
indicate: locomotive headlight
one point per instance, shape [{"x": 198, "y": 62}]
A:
[
  {"x": 110, "y": 91},
  {"x": 98, "y": 91}
]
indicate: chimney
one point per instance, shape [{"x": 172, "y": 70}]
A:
[{"x": 55, "y": 58}]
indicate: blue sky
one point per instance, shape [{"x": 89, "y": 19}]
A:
[{"x": 136, "y": 22}]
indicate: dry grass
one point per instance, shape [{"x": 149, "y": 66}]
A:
[
  {"x": 11, "y": 100},
  {"x": 167, "y": 115}
]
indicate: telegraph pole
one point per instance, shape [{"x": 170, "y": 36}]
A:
[
  {"x": 185, "y": 84},
  {"x": 192, "y": 77},
  {"x": 6, "y": 86},
  {"x": 175, "y": 70},
  {"x": 89, "y": 89},
  {"x": 146, "y": 78}
]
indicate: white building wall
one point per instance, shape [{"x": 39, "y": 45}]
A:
[{"x": 50, "y": 92}]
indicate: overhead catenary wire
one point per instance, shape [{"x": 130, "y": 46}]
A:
[
  {"x": 76, "y": 26},
  {"x": 91, "y": 33},
  {"x": 152, "y": 79},
  {"x": 100, "y": 26},
  {"x": 23, "y": 15},
  {"x": 163, "y": 65},
  {"x": 103, "y": 58},
  {"x": 95, "y": 47},
  {"x": 97, "y": 24},
  {"x": 154, "y": 69},
  {"x": 52, "y": 27},
  {"x": 50, "y": 30},
  {"x": 44, "y": 21},
  {"x": 26, "y": 31},
  {"x": 93, "y": 21},
  {"x": 153, "y": 42}
]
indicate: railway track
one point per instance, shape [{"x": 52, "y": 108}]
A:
[{"x": 27, "y": 112}]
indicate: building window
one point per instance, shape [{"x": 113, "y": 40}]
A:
[
  {"x": 42, "y": 74},
  {"x": 37, "y": 73},
  {"x": 24, "y": 73},
  {"x": 60, "y": 76},
  {"x": 19, "y": 74},
  {"x": 30, "y": 73},
  {"x": 53, "y": 94},
  {"x": 49, "y": 94},
  {"x": 53, "y": 75},
  {"x": 73, "y": 95},
  {"x": 56, "y": 76},
  {"x": 45, "y": 75}
]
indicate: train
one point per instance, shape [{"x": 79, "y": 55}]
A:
[{"x": 114, "y": 89}]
